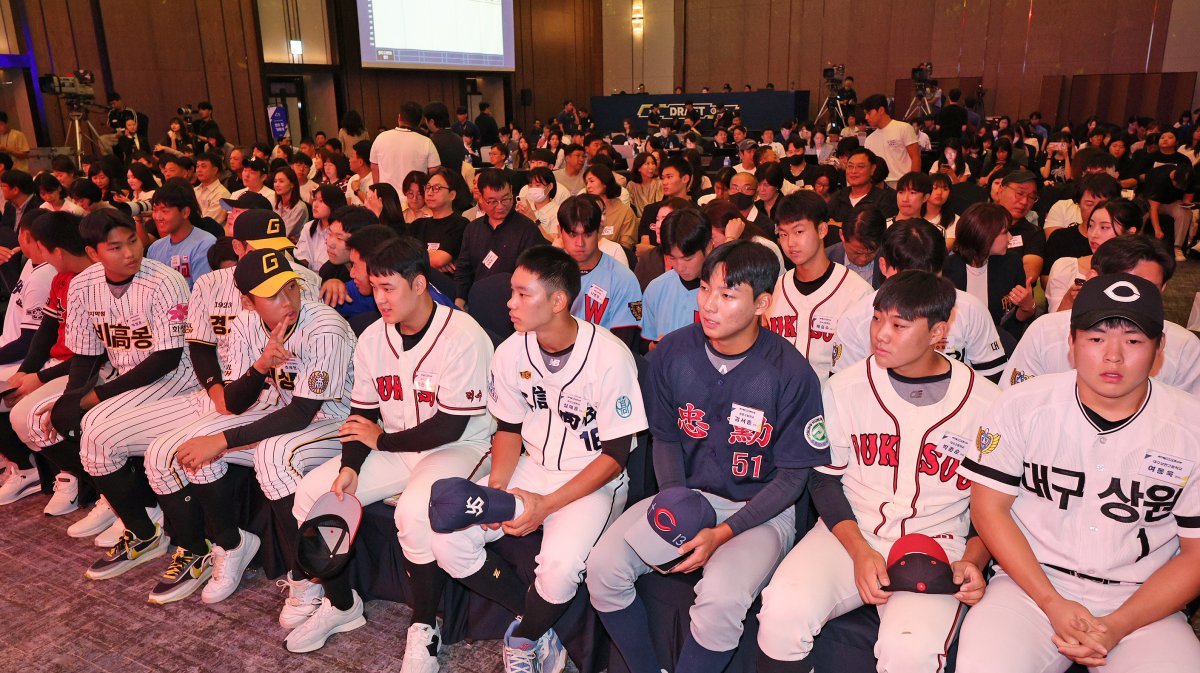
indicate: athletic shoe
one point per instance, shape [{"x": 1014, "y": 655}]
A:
[
  {"x": 304, "y": 597},
  {"x": 97, "y": 521},
  {"x": 66, "y": 496},
  {"x": 1179, "y": 256},
  {"x": 228, "y": 566},
  {"x": 127, "y": 554},
  {"x": 420, "y": 654},
  {"x": 7, "y": 469},
  {"x": 552, "y": 656},
  {"x": 110, "y": 536},
  {"x": 21, "y": 484},
  {"x": 520, "y": 654},
  {"x": 326, "y": 621},
  {"x": 186, "y": 573}
]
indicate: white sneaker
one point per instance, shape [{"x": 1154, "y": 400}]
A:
[
  {"x": 66, "y": 496},
  {"x": 20, "y": 484},
  {"x": 1179, "y": 256},
  {"x": 7, "y": 469},
  {"x": 304, "y": 597},
  {"x": 326, "y": 621},
  {"x": 97, "y": 521},
  {"x": 520, "y": 655},
  {"x": 417, "y": 657},
  {"x": 114, "y": 532},
  {"x": 228, "y": 565}
]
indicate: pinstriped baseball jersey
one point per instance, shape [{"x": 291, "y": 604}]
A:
[
  {"x": 321, "y": 367},
  {"x": 150, "y": 316},
  {"x": 899, "y": 461},
  {"x": 566, "y": 415},
  {"x": 28, "y": 300},
  {"x": 446, "y": 372},
  {"x": 972, "y": 337},
  {"x": 216, "y": 303},
  {"x": 809, "y": 322}
]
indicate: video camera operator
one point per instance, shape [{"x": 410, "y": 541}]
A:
[
  {"x": 847, "y": 95},
  {"x": 208, "y": 136},
  {"x": 118, "y": 113}
]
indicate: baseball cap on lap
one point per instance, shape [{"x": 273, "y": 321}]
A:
[
  {"x": 247, "y": 201},
  {"x": 1119, "y": 295},
  {"x": 917, "y": 563},
  {"x": 262, "y": 273},
  {"x": 675, "y": 516},
  {"x": 262, "y": 230},
  {"x": 327, "y": 535},
  {"x": 456, "y": 503}
]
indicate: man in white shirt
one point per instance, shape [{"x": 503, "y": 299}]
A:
[
  {"x": 254, "y": 175},
  {"x": 210, "y": 191},
  {"x": 400, "y": 151},
  {"x": 894, "y": 140}
]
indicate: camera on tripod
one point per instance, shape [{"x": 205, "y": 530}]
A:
[
  {"x": 834, "y": 76},
  {"x": 921, "y": 76},
  {"x": 75, "y": 89},
  {"x": 186, "y": 112}
]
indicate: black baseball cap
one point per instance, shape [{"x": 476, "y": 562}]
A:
[
  {"x": 1119, "y": 295},
  {"x": 456, "y": 503},
  {"x": 255, "y": 163},
  {"x": 262, "y": 230},
  {"x": 327, "y": 535},
  {"x": 917, "y": 563},
  {"x": 262, "y": 273},
  {"x": 247, "y": 201}
]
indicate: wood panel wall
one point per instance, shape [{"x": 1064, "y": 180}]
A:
[{"x": 1011, "y": 44}]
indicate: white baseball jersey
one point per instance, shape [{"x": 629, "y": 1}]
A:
[
  {"x": 1045, "y": 347},
  {"x": 810, "y": 321},
  {"x": 1107, "y": 503},
  {"x": 27, "y": 301},
  {"x": 446, "y": 372},
  {"x": 150, "y": 315},
  {"x": 216, "y": 303},
  {"x": 321, "y": 367},
  {"x": 899, "y": 461},
  {"x": 566, "y": 415},
  {"x": 972, "y": 337}
]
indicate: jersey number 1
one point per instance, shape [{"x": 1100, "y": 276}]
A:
[{"x": 742, "y": 463}]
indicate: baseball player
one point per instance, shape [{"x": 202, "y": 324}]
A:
[
  {"x": 670, "y": 299},
  {"x": 736, "y": 415},
  {"x": 610, "y": 295},
  {"x": 279, "y": 415},
  {"x": 809, "y": 299},
  {"x": 421, "y": 372},
  {"x": 181, "y": 245},
  {"x": 1086, "y": 487},
  {"x": 897, "y": 425},
  {"x": 1045, "y": 346},
  {"x": 971, "y": 337},
  {"x": 565, "y": 391}
]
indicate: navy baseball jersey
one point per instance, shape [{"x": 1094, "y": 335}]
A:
[
  {"x": 609, "y": 296},
  {"x": 668, "y": 305},
  {"x": 736, "y": 428}
]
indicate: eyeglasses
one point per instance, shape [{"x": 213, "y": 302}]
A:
[
  {"x": 492, "y": 203},
  {"x": 435, "y": 189},
  {"x": 743, "y": 189},
  {"x": 1031, "y": 197}
]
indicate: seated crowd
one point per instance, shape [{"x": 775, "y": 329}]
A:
[{"x": 929, "y": 331}]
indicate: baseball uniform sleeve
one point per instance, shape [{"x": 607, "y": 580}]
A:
[
  {"x": 627, "y": 304},
  {"x": 836, "y": 432},
  {"x": 461, "y": 385},
  {"x": 504, "y": 397},
  {"x": 1000, "y": 449},
  {"x": 802, "y": 438},
  {"x": 618, "y": 398},
  {"x": 983, "y": 350},
  {"x": 81, "y": 334},
  {"x": 365, "y": 395},
  {"x": 660, "y": 410},
  {"x": 1025, "y": 362},
  {"x": 1187, "y": 510},
  {"x": 168, "y": 313},
  {"x": 36, "y": 294},
  {"x": 1186, "y": 374},
  {"x": 651, "y": 313},
  {"x": 324, "y": 358},
  {"x": 199, "y": 324},
  {"x": 850, "y": 340}
]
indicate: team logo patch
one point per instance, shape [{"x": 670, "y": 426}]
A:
[
  {"x": 837, "y": 353},
  {"x": 814, "y": 432},
  {"x": 1018, "y": 376},
  {"x": 526, "y": 375},
  {"x": 986, "y": 441},
  {"x": 177, "y": 313},
  {"x": 624, "y": 407},
  {"x": 492, "y": 387},
  {"x": 635, "y": 307},
  {"x": 318, "y": 382},
  {"x": 1123, "y": 291}
]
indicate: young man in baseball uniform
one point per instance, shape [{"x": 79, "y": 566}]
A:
[
  {"x": 280, "y": 411},
  {"x": 609, "y": 294},
  {"x": 736, "y": 415},
  {"x": 809, "y": 300},
  {"x": 418, "y": 415},
  {"x": 971, "y": 336},
  {"x": 898, "y": 424},
  {"x": 1087, "y": 491},
  {"x": 1045, "y": 346},
  {"x": 670, "y": 299},
  {"x": 565, "y": 391}
]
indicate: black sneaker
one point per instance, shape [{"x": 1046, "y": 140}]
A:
[
  {"x": 127, "y": 554},
  {"x": 186, "y": 573}
]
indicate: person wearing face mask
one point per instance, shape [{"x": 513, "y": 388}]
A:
[
  {"x": 743, "y": 188},
  {"x": 539, "y": 203},
  {"x": 951, "y": 163}
]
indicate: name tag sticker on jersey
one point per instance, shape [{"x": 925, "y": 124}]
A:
[
  {"x": 954, "y": 446},
  {"x": 433, "y": 247},
  {"x": 1170, "y": 469},
  {"x": 423, "y": 381},
  {"x": 597, "y": 293},
  {"x": 824, "y": 323},
  {"x": 608, "y": 231},
  {"x": 137, "y": 321},
  {"x": 291, "y": 366},
  {"x": 747, "y": 418},
  {"x": 490, "y": 259},
  {"x": 1015, "y": 242},
  {"x": 572, "y": 404}
]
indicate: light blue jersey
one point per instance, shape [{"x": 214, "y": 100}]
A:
[
  {"x": 189, "y": 257},
  {"x": 609, "y": 296},
  {"x": 667, "y": 306}
]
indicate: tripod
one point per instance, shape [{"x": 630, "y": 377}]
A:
[
  {"x": 918, "y": 106},
  {"x": 833, "y": 108},
  {"x": 81, "y": 130}
]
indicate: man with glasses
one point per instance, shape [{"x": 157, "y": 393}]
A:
[
  {"x": 1018, "y": 193},
  {"x": 859, "y": 190},
  {"x": 743, "y": 189},
  {"x": 492, "y": 243}
]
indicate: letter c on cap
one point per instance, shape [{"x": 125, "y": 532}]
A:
[
  {"x": 664, "y": 520},
  {"x": 1130, "y": 292}
]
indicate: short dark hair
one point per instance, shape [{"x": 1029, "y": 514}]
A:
[
  {"x": 403, "y": 256},
  {"x": 334, "y": 144},
  {"x": 496, "y": 180},
  {"x": 502, "y": 147},
  {"x": 46, "y": 182},
  {"x": 770, "y": 173},
  {"x": 18, "y": 180},
  {"x": 331, "y": 196},
  {"x": 296, "y": 158},
  {"x": 86, "y": 189},
  {"x": 977, "y": 229},
  {"x": 916, "y": 181},
  {"x": 96, "y": 226},
  {"x": 745, "y": 262},
  {"x": 64, "y": 164},
  {"x": 874, "y": 102},
  {"x": 485, "y": 106},
  {"x": 204, "y": 105},
  {"x": 687, "y": 229},
  {"x": 410, "y": 113},
  {"x": 580, "y": 212},
  {"x": 362, "y": 149},
  {"x": 543, "y": 175},
  {"x": 353, "y": 218},
  {"x": 914, "y": 244},
  {"x": 215, "y": 159},
  {"x": 573, "y": 147},
  {"x": 363, "y": 240},
  {"x": 221, "y": 251},
  {"x": 917, "y": 294},
  {"x": 555, "y": 269},
  {"x": 605, "y": 175},
  {"x": 681, "y": 166},
  {"x": 184, "y": 162},
  {"x": 174, "y": 195},
  {"x": 58, "y": 229},
  {"x": 6, "y": 161},
  {"x": 1122, "y": 253},
  {"x": 438, "y": 113},
  {"x": 802, "y": 205}
]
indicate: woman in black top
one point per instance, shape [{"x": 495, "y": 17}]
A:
[
  {"x": 442, "y": 232},
  {"x": 980, "y": 265}
]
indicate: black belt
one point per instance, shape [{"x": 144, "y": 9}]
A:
[{"x": 1090, "y": 578}]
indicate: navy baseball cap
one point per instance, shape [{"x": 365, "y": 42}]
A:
[
  {"x": 456, "y": 503},
  {"x": 1119, "y": 295},
  {"x": 917, "y": 563},
  {"x": 327, "y": 535},
  {"x": 675, "y": 516}
]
